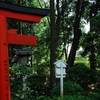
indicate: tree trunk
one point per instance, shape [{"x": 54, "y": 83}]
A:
[
  {"x": 74, "y": 47},
  {"x": 52, "y": 44},
  {"x": 77, "y": 33},
  {"x": 93, "y": 12}
]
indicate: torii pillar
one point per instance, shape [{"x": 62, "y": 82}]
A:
[{"x": 11, "y": 37}]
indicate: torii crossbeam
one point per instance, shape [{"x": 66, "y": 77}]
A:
[{"x": 11, "y": 37}]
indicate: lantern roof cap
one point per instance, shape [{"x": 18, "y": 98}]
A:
[{"x": 60, "y": 63}]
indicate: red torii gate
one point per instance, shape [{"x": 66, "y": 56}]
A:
[{"x": 11, "y": 37}]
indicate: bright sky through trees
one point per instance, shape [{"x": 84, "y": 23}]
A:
[{"x": 87, "y": 27}]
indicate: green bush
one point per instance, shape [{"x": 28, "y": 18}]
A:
[
  {"x": 76, "y": 97},
  {"x": 37, "y": 84},
  {"x": 34, "y": 84},
  {"x": 66, "y": 97},
  {"x": 82, "y": 75},
  {"x": 98, "y": 75},
  {"x": 70, "y": 88},
  {"x": 43, "y": 98},
  {"x": 17, "y": 73},
  {"x": 94, "y": 95}
]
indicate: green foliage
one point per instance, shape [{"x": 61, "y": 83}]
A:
[
  {"x": 37, "y": 84},
  {"x": 37, "y": 88},
  {"x": 76, "y": 97},
  {"x": 81, "y": 59},
  {"x": 82, "y": 75},
  {"x": 96, "y": 21},
  {"x": 98, "y": 73},
  {"x": 43, "y": 98},
  {"x": 17, "y": 74},
  {"x": 94, "y": 95},
  {"x": 79, "y": 74},
  {"x": 70, "y": 88},
  {"x": 66, "y": 97},
  {"x": 91, "y": 42}
]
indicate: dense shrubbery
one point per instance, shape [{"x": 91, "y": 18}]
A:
[
  {"x": 70, "y": 88},
  {"x": 67, "y": 97},
  {"x": 82, "y": 75},
  {"x": 31, "y": 87},
  {"x": 18, "y": 72},
  {"x": 37, "y": 84},
  {"x": 76, "y": 85}
]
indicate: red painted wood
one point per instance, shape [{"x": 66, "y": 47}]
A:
[
  {"x": 4, "y": 63},
  {"x": 14, "y": 38},
  {"x": 11, "y": 37},
  {"x": 20, "y": 16}
]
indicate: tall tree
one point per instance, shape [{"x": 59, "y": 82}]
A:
[
  {"x": 91, "y": 41},
  {"x": 95, "y": 7},
  {"x": 79, "y": 10},
  {"x": 52, "y": 43}
]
